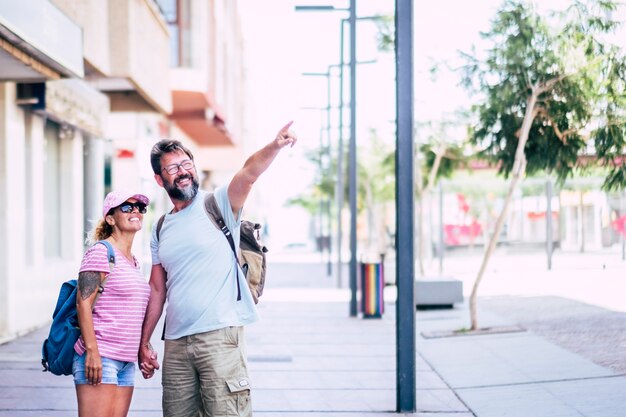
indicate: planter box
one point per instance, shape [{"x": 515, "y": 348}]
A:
[{"x": 438, "y": 292}]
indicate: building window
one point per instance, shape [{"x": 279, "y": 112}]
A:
[
  {"x": 52, "y": 191},
  {"x": 177, "y": 16}
]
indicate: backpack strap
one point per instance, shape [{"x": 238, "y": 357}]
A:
[
  {"x": 214, "y": 213},
  {"x": 159, "y": 226},
  {"x": 110, "y": 252},
  {"x": 111, "y": 259}
]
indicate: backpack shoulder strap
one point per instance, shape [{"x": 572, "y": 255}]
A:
[
  {"x": 159, "y": 226},
  {"x": 110, "y": 253},
  {"x": 111, "y": 258},
  {"x": 214, "y": 213}
]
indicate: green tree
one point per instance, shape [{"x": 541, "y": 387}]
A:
[
  {"x": 550, "y": 90},
  {"x": 375, "y": 188},
  {"x": 322, "y": 186},
  {"x": 442, "y": 154}
]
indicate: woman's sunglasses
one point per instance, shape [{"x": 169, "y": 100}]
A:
[{"x": 128, "y": 207}]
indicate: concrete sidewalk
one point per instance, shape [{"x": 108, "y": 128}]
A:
[
  {"x": 517, "y": 373},
  {"x": 307, "y": 358},
  {"x": 310, "y": 359}
]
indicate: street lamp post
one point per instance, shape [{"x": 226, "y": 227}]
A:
[
  {"x": 352, "y": 165},
  {"x": 340, "y": 173},
  {"x": 352, "y": 160},
  {"x": 340, "y": 151},
  {"x": 352, "y": 168},
  {"x": 324, "y": 165},
  {"x": 351, "y": 149}
]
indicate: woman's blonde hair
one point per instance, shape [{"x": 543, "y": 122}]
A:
[{"x": 102, "y": 231}]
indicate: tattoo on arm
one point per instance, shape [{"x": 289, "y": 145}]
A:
[{"x": 88, "y": 282}]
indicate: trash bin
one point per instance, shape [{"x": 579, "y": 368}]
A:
[{"x": 372, "y": 286}]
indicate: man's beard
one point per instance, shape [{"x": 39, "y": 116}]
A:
[{"x": 182, "y": 194}]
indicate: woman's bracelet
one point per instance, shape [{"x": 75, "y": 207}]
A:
[{"x": 148, "y": 345}]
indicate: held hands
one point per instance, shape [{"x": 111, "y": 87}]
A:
[
  {"x": 148, "y": 362},
  {"x": 286, "y": 137}
]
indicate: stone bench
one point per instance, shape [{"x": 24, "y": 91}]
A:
[{"x": 438, "y": 292}]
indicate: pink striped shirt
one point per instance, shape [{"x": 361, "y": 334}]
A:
[{"x": 120, "y": 309}]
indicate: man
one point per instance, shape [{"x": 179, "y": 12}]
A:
[{"x": 193, "y": 267}]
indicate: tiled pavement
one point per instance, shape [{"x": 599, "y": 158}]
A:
[{"x": 307, "y": 358}]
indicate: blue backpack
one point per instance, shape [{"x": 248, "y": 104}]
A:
[{"x": 57, "y": 352}]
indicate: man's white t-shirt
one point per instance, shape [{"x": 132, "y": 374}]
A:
[{"x": 200, "y": 266}]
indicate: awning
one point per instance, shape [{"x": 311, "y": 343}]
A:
[{"x": 197, "y": 115}]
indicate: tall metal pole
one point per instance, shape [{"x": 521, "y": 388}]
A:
[
  {"x": 340, "y": 185},
  {"x": 320, "y": 232},
  {"x": 549, "y": 237},
  {"x": 329, "y": 268},
  {"x": 352, "y": 161},
  {"x": 405, "y": 211},
  {"x": 325, "y": 227},
  {"x": 340, "y": 156},
  {"x": 340, "y": 153},
  {"x": 623, "y": 234},
  {"x": 441, "y": 245}
]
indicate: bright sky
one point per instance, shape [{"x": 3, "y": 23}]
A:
[{"x": 282, "y": 44}]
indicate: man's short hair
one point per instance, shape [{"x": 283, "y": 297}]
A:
[{"x": 161, "y": 148}]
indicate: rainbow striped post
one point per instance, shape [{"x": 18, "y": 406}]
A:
[{"x": 372, "y": 285}]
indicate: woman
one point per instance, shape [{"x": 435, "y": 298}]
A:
[{"x": 106, "y": 352}]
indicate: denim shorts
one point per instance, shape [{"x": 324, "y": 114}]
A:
[{"x": 113, "y": 372}]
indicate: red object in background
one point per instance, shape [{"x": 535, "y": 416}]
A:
[
  {"x": 456, "y": 235},
  {"x": 164, "y": 129},
  {"x": 620, "y": 225},
  {"x": 125, "y": 153},
  {"x": 536, "y": 215},
  {"x": 463, "y": 206}
]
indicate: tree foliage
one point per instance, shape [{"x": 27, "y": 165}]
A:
[
  {"x": 386, "y": 33},
  {"x": 376, "y": 172},
  {"x": 580, "y": 109},
  {"x": 551, "y": 91}
]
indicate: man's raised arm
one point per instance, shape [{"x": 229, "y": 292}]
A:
[{"x": 241, "y": 183}]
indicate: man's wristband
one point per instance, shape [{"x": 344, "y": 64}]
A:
[{"x": 148, "y": 345}]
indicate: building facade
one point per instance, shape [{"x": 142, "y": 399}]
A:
[{"x": 86, "y": 89}]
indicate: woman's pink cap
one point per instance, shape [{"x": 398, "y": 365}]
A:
[{"x": 116, "y": 198}]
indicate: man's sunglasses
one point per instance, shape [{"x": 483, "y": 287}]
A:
[{"x": 128, "y": 207}]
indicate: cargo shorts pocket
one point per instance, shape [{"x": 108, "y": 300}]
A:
[{"x": 238, "y": 403}]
